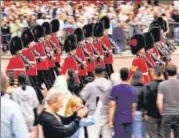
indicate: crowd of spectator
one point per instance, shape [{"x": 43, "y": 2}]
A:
[
  {"x": 126, "y": 17},
  {"x": 107, "y": 108}
]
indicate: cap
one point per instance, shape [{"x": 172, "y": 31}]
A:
[
  {"x": 99, "y": 69},
  {"x": 27, "y": 37},
  {"x": 38, "y": 31},
  {"x": 137, "y": 42},
  {"x": 106, "y": 22},
  {"x": 15, "y": 45},
  {"x": 88, "y": 30},
  {"x": 155, "y": 31},
  {"x": 46, "y": 28},
  {"x": 149, "y": 41},
  {"x": 55, "y": 25},
  {"x": 70, "y": 43},
  {"x": 79, "y": 34},
  {"x": 98, "y": 29}
]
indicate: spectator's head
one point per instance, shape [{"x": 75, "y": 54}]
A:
[
  {"x": 73, "y": 105},
  {"x": 124, "y": 73},
  {"x": 4, "y": 84},
  {"x": 54, "y": 100},
  {"x": 171, "y": 70},
  {"x": 23, "y": 80},
  {"x": 156, "y": 72},
  {"x": 88, "y": 80},
  {"x": 137, "y": 78},
  {"x": 99, "y": 71}
]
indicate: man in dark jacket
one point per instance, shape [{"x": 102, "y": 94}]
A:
[
  {"x": 152, "y": 117},
  {"x": 55, "y": 126}
]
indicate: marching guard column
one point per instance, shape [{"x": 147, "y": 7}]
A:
[
  {"x": 108, "y": 44},
  {"x": 54, "y": 39},
  {"x": 70, "y": 62},
  {"x": 97, "y": 45},
  {"x": 137, "y": 44},
  {"x": 27, "y": 39},
  {"x": 16, "y": 65},
  {"x": 91, "y": 60},
  {"x": 82, "y": 53},
  {"x": 43, "y": 67}
]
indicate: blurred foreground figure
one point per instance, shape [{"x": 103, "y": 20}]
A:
[{"x": 12, "y": 123}]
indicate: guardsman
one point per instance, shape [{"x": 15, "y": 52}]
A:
[
  {"x": 137, "y": 45},
  {"x": 43, "y": 66},
  {"x": 28, "y": 52},
  {"x": 88, "y": 46},
  {"x": 16, "y": 64},
  {"x": 82, "y": 53},
  {"x": 58, "y": 45},
  {"x": 70, "y": 62},
  {"x": 109, "y": 45},
  {"x": 108, "y": 60},
  {"x": 97, "y": 45},
  {"x": 47, "y": 34}
]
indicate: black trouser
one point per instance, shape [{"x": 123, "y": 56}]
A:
[
  {"x": 109, "y": 69},
  {"x": 57, "y": 66},
  {"x": 90, "y": 74},
  {"x": 154, "y": 127},
  {"x": 52, "y": 74},
  {"x": 43, "y": 77},
  {"x": 170, "y": 122},
  {"x": 36, "y": 86}
]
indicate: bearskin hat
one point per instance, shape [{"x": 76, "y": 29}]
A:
[
  {"x": 98, "y": 30},
  {"x": 55, "y": 25},
  {"x": 160, "y": 20},
  {"x": 70, "y": 43},
  {"x": 137, "y": 42},
  {"x": 106, "y": 22},
  {"x": 88, "y": 30},
  {"x": 46, "y": 28},
  {"x": 27, "y": 37},
  {"x": 155, "y": 31},
  {"x": 149, "y": 41},
  {"x": 38, "y": 31},
  {"x": 79, "y": 34},
  {"x": 165, "y": 26},
  {"x": 154, "y": 24},
  {"x": 15, "y": 45}
]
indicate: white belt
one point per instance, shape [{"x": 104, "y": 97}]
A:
[
  {"x": 43, "y": 57},
  {"x": 33, "y": 62},
  {"x": 18, "y": 69},
  {"x": 145, "y": 73}
]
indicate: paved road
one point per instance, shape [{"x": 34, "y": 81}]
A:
[{"x": 118, "y": 62}]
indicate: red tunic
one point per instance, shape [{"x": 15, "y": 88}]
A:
[
  {"x": 51, "y": 62},
  {"x": 31, "y": 57},
  {"x": 43, "y": 65},
  {"x": 16, "y": 65},
  {"x": 91, "y": 64},
  {"x": 55, "y": 41},
  {"x": 69, "y": 63},
  {"x": 148, "y": 56},
  {"x": 81, "y": 55},
  {"x": 98, "y": 47},
  {"x": 105, "y": 41},
  {"x": 141, "y": 65},
  {"x": 155, "y": 51}
]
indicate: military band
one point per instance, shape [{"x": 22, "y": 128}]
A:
[{"x": 38, "y": 52}]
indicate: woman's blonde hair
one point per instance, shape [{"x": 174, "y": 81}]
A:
[
  {"x": 4, "y": 83},
  {"x": 74, "y": 101}
]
